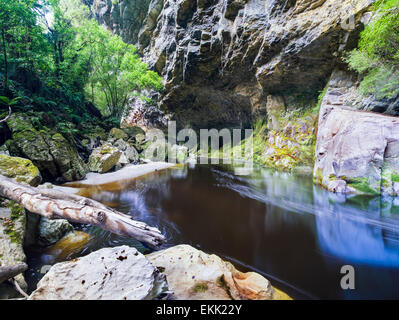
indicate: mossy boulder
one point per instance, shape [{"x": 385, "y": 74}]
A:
[
  {"x": 116, "y": 134},
  {"x": 133, "y": 131},
  {"x": 51, "y": 152},
  {"x": 104, "y": 158},
  {"x": 19, "y": 169},
  {"x": 12, "y": 233}
]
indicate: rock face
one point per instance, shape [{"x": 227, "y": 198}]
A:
[
  {"x": 356, "y": 152},
  {"x": 51, "y": 152},
  {"x": 220, "y": 59},
  {"x": 143, "y": 115},
  {"x": 104, "y": 158},
  {"x": 12, "y": 233},
  {"x": 129, "y": 153},
  {"x": 195, "y": 275},
  {"x": 22, "y": 170},
  {"x": 120, "y": 273}
]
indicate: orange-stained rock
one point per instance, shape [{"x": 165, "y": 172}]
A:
[{"x": 196, "y": 275}]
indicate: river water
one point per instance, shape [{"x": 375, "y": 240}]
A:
[{"x": 280, "y": 225}]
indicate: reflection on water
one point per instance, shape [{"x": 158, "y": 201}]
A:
[{"x": 280, "y": 225}]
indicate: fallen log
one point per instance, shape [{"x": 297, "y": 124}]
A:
[
  {"x": 54, "y": 204},
  {"x": 9, "y": 272}
]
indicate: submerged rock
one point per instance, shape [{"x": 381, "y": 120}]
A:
[
  {"x": 68, "y": 246},
  {"x": 19, "y": 169},
  {"x": 120, "y": 273},
  {"x": 356, "y": 152},
  {"x": 104, "y": 158},
  {"x": 195, "y": 275},
  {"x": 50, "y": 231}
]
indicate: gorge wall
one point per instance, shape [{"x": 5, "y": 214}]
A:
[{"x": 221, "y": 59}]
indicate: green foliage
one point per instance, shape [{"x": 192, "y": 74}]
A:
[
  {"x": 115, "y": 71},
  {"x": 377, "y": 56},
  {"x": 54, "y": 58},
  {"x": 362, "y": 185}
]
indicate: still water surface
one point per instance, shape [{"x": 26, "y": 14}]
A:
[{"x": 280, "y": 225}]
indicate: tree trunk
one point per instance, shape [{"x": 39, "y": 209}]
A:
[
  {"x": 3, "y": 37},
  {"x": 9, "y": 272},
  {"x": 55, "y": 204}
]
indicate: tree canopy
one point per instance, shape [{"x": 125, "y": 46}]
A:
[{"x": 53, "y": 54}]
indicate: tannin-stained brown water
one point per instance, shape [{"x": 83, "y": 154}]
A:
[{"x": 280, "y": 225}]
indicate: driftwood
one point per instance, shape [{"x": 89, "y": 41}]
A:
[
  {"x": 18, "y": 288},
  {"x": 55, "y": 204},
  {"x": 9, "y": 272}
]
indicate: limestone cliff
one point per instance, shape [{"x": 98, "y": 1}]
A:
[{"x": 220, "y": 59}]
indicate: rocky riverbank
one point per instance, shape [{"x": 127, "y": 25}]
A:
[{"x": 178, "y": 273}]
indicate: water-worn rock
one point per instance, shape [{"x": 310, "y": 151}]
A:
[
  {"x": 50, "y": 231},
  {"x": 51, "y": 152},
  {"x": 356, "y": 152},
  {"x": 104, "y": 158},
  {"x": 19, "y": 169},
  {"x": 12, "y": 233},
  {"x": 120, "y": 273},
  {"x": 195, "y": 275},
  {"x": 220, "y": 59}
]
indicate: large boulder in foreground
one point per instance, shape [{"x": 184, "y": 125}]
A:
[
  {"x": 195, "y": 275},
  {"x": 19, "y": 169},
  {"x": 120, "y": 273},
  {"x": 356, "y": 152},
  {"x": 104, "y": 158},
  {"x": 50, "y": 151}
]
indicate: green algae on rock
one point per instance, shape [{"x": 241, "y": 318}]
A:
[
  {"x": 20, "y": 169},
  {"x": 50, "y": 151},
  {"x": 104, "y": 158}
]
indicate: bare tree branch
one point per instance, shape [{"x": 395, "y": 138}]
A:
[{"x": 54, "y": 204}]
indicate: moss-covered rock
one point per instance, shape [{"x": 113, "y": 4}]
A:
[
  {"x": 116, "y": 134},
  {"x": 104, "y": 158},
  {"x": 12, "y": 233},
  {"x": 50, "y": 151},
  {"x": 19, "y": 169}
]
